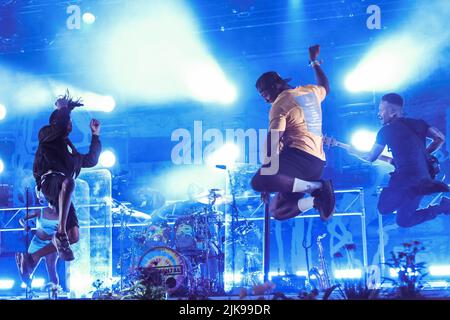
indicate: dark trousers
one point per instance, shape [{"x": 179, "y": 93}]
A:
[{"x": 401, "y": 196}]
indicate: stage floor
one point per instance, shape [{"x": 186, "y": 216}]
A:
[{"x": 428, "y": 294}]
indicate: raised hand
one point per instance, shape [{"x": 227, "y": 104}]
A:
[
  {"x": 314, "y": 52},
  {"x": 95, "y": 127}
]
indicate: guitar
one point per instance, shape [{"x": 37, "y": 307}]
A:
[
  {"x": 433, "y": 163},
  {"x": 332, "y": 142}
]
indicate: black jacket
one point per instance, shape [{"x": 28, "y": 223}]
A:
[{"x": 56, "y": 152}]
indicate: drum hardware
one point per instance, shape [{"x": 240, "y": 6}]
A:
[
  {"x": 212, "y": 197},
  {"x": 193, "y": 233}
]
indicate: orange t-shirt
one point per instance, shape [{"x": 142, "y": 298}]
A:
[{"x": 298, "y": 112}]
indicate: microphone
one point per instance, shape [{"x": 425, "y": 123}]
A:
[{"x": 221, "y": 166}]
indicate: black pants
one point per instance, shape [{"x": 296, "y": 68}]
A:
[
  {"x": 400, "y": 196},
  {"x": 293, "y": 163}
]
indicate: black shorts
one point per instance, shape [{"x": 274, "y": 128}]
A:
[
  {"x": 51, "y": 187},
  {"x": 299, "y": 164}
]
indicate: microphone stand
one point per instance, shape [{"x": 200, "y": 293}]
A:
[{"x": 234, "y": 213}]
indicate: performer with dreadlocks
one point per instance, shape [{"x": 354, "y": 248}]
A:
[{"x": 56, "y": 165}]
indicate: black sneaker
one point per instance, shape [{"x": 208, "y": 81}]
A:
[
  {"x": 324, "y": 200},
  {"x": 62, "y": 245}
]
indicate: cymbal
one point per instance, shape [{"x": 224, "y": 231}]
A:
[
  {"x": 130, "y": 212},
  {"x": 212, "y": 196},
  {"x": 178, "y": 209}
]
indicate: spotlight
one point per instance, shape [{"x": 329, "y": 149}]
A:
[
  {"x": 35, "y": 283},
  {"x": 88, "y": 18},
  {"x": 403, "y": 58},
  {"x": 109, "y": 104},
  {"x": 107, "y": 159},
  {"x": 2, "y": 112},
  {"x": 226, "y": 155},
  {"x": 95, "y": 102},
  {"x": 443, "y": 270},
  {"x": 6, "y": 284},
  {"x": 208, "y": 84},
  {"x": 363, "y": 140},
  {"x": 348, "y": 274},
  {"x": 295, "y": 4},
  {"x": 2, "y": 166}
]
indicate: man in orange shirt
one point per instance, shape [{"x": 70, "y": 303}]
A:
[{"x": 294, "y": 149}]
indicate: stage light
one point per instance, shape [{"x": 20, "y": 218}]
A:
[
  {"x": 438, "y": 284},
  {"x": 107, "y": 159},
  {"x": 2, "y": 112},
  {"x": 225, "y": 155},
  {"x": 88, "y": 18},
  {"x": 35, "y": 283},
  {"x": 6, "y": 284},
  {"x": 443, "y": 270},
  {"x": 208, "y": 84},
  {"x": 403, "y": 58},
  {"x": 295, "y": 4},
  {"x": 2, "y": 166},
  {"x": 348, "y": 274},
  {"x": 95, "y": 102},
  {"x": 301, "y": 273},
  {"x": 92, "y": 101},
  {"x": 363, "y": 140},
  {"x": 29, "y": 93},
  {"x": 393, "y": 272},
  {"x": 173, "y": 64},
  {"x": 276, "y": 274}
]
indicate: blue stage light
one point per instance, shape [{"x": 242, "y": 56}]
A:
[
  {"x": 403, "y": 58},
  {"x": 35, "y": 283},
  {"x": 295, "y": 4},
  {"x": 173, "y": 64},
  {"x": 2, "y": 112},
  {"x": 88, "y": 18},
  {"x": 363, "y": 140},
  {"x": 107, "y": 159},
  {"x": 6, "y": 284},
  {"x": 2, "y": 166},
  {"x": 348, "y": 274},
  {"x": 226, "y": 155},
  {"x": 442, "y": 270}
]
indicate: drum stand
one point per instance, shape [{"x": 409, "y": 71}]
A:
[
  {"x": 219, "y": 246},
  {"x": 28, "y": 289},
  {"x": 122, "y": 234}
]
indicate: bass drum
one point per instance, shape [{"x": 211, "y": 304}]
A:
[{"x": 174, "y": 268}]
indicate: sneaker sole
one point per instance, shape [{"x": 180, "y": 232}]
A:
[{"x": 325, "y": 216}]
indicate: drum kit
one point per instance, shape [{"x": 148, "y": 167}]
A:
[
  {"x": 186, "y": 240},
  {"x": 185, "y": 243}
]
